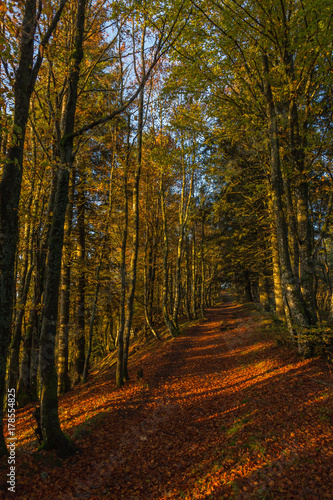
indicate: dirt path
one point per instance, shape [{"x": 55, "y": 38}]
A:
[{"x": 221, "y": 413}]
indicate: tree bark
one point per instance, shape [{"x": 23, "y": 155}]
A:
[
  {"x": 290, "y": 289},
  {"x": 183, "y": 216},
  {"x": 306, "y": 264},
  {"x": 202, "y": 287},
  {"x": 64, "y": 311},
  {"x": 120, "y": 336},
  {"x": 10, "y": 185},
  {"x": 165, "y": 286},
  {"x": 91, "y": 326},
  {"x": 194, "y": 273},
  {"x": 278, "y": 297},
  {"x": 53, "y": 437},
  {"x": 263, "y": 292},
  {"x": 79, "y": 335},
  {"x": 136, "y": 220}
]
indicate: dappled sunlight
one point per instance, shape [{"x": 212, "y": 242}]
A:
[{"x": 218, "y": 414}]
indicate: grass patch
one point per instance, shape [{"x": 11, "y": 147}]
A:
[
  {"x": 326, "y": 414},
  {"x": 238, "y": 425},
  {"x": 255, "y": 445}
]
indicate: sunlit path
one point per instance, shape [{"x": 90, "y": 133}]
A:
[{"x": 221, "y": 413}]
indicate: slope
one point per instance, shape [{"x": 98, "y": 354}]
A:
[{"x": 222, "y": 412}]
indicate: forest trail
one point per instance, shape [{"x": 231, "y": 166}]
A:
[{"x": 222, "y": 412}]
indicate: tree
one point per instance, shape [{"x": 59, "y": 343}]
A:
[{"x": 10, "y": 186}]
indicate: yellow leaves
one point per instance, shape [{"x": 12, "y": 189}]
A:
[{"x": 47, "y": 8}]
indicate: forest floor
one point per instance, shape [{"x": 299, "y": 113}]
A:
[{"x": 222, "y": 412}]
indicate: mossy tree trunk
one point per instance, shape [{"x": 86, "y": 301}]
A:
[
  {"x": 278, "y": 297},
  {"x": 289, "y": 284}
]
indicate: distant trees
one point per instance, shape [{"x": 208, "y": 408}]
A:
[{"x": 266, "y": 73}]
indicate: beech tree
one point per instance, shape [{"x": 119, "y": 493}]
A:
[{"x": 25, "y": 74}]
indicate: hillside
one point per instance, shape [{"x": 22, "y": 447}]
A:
[{"x": 222, "y": 411}]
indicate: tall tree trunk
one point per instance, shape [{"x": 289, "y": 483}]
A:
[
  {"x": 183, "y": 216},
  {"x": 194, "y": 275},
  {"x": 165, "y": 286},
  {"x": 136, "y": 220},
  {"x": 289, "y": 284},
  {"x": 79, "y": 336},
  {"x": 53, "y": 437},
  {"x": 10, "y": 190},
  {"x": 202, "y": 288},
  {"x": 26, "y": 269},
  {"x": 24, "y": 394},
  {"x": 64, "y": 311},
  {"x": 148, "y": 275},
  {"x": 120, "y": 336},
  {"x": 292, "y": 226},
  {"x": 306, "y": 264},
  {"x": 91, "y": 326},
  {"x": 13, "y": 366},
  {"x": 278, "y": 297},
  {"x": 187, "y": 297},
  {"x": 10, "y": 185},
  {"x": 27, "y": 384}
]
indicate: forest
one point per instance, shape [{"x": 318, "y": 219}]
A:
[{"x": 152, "y": 156}]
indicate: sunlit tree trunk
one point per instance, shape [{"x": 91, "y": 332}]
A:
[
  {"x": 79, "y": 335},
  {"x": 27, "y": 384},
  {"x": 187, "y": 298},
  {"x": 278, "y": 297},
  {"x": 305, "y": 240},
  {"x": 202, "y": 265},
  {"x": 10, "y": 189},
  {"x": 148, "y": 278},
  {"x": 289, "y": 284},
  {"x": 183, "y": 216},
  {"x": 64, "y": 311}
]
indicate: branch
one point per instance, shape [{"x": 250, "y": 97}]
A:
[
  {"x": 45, "y": 41},
  {"x": 158, "y": 54}
]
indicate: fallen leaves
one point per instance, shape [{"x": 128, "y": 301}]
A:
[{"x": 238, "y": 418}]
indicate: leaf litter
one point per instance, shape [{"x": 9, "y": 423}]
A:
[{"x": 222, "y": 412}]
